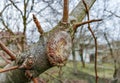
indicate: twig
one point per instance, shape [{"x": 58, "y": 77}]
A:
[
  {"x": 5, "y": 25},
  {"x": 76, "y": 25},
  {"x": 8, "y": 69},
  {"x": 113, "y": 13},
  {"x": 65, "y": 11},
  {"x": 38, "y": 25},
  {"x": 95, "y": 40},
  {"x": 10, "y": 53},
  {"x": 16, "y": 7}
]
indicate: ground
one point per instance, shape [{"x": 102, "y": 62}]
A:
[{"x": 84, "y": 75}]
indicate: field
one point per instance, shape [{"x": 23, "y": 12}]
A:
[{"x": 83, "y": 75}]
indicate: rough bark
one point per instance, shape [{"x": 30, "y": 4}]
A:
[
  {"x": 39, "y": 53},
  {"x": 41, "y": 64}
]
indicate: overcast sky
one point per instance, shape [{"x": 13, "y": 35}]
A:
[{"x": 112, "y": 6}]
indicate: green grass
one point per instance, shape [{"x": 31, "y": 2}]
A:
[{"x": 105, "y": 72}]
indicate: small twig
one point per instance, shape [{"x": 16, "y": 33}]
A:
[
  {"x": 65, "y": 11},
  {"x": 38, "y": 25},
  {"x": 13, "y": 3},
  {"x": 10, "y": 53},
  {"x": 76, "y": 25},
  {"x": 8, "y": 69},
  {"x": 113, "y": 13},
  {"x": 95, "y": 40}
]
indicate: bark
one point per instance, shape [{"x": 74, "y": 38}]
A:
[
  {"x": 39, "y": 53},
  {"x": 79, "y": 11},
  {"x": 18, "y": 76}
]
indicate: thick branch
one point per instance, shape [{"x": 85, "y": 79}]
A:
[
  {"x": 10, "y": 53},
  {"x": 79, "y": 11},
  {"x": 65, "y": 11},
  {"x": 6, "y": 26}
]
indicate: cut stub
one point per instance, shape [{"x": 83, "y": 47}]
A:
[{"x": 59, "y": 48}]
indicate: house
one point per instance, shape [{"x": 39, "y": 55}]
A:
[
  {"x": 115, "y": 46},
  {"x": 89, "y": 53}
]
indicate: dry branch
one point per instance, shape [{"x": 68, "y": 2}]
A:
[
  {"x": 10, "y": 53},
  {"x": 8, "y": 69},
  {"x": 40, "y": 30},
  {"x": 95, "y": 40},
  {"x": 76, "y": 25}
]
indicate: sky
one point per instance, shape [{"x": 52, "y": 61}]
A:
[{"x": 12, "y": 16}]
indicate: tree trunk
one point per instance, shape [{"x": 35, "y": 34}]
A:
[
  {"x": 39, "y": 53},
  {"x": 18, "y": 76},
  {"x": 81, "y": 56},
  {"x": 74, "y": 59}
]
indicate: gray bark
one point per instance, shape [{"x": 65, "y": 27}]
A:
[{"x": 38, "y": 51}]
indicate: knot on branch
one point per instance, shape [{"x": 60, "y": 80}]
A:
[
  {"x": 28, "y": 63},
  {"x": 59, "y": 48}
]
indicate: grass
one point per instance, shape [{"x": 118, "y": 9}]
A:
[{"x": 86, "y": 75}]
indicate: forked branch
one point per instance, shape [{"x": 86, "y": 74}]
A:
[
  {"x": 95, "y": 39},
  {"x": 10, "y": 53},
  {"x": 40, "y": 30}
]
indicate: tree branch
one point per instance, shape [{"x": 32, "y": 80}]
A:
[
  {"x": 76, "y": 25},
  {"x": 16, "y": 7},
  {"x": 40, "y": 30},
  {"x": 79, "y": 11},
  {"x": 10, "y": 53},
  {"x": 65, "y": 11},
  {"x": 95, "y": 39},
  {"x": 8, "y": 69}
]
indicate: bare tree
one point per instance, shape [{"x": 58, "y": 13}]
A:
[{"x": 52, "y": 49}]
